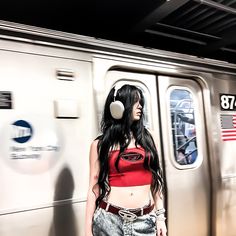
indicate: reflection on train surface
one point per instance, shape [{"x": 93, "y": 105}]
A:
[{"x": 53, "y": 87}]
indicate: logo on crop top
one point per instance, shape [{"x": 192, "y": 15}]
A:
[{"x": 132, "y": 156}]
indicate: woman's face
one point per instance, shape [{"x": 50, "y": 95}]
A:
[{"x": 137, "y": 111}]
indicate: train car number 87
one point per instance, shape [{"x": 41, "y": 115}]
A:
[{"x": 228, "y": 102}]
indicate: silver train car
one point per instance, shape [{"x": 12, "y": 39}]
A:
[{"x": 53, "y": 85}]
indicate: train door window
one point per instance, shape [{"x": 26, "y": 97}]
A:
[{"x": 182, "y": 112}]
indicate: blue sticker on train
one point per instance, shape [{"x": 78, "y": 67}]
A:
[{"x": 22, "y": 131}]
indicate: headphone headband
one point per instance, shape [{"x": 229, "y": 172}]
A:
[
  {"x": 115, "y": 92},
  {"x": 116, "y": 87}
]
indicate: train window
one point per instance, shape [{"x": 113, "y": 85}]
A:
[{"x": 183, "y": 126}]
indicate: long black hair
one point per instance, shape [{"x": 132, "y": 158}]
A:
[{"x": 118, "y": 133}]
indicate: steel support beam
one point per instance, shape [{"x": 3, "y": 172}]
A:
[{"x": 159, "y": 13}]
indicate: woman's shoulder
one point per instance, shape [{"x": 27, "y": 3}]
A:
[
  {"x": 148, "y": 131},
  {"x": 94, "y": 150},
  {"x": 94, "y": 144},
  {"x": 96, "y": 140},
  {"x": 153, "y": 134}
]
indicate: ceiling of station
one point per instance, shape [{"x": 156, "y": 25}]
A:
[{"x": 204, "y": 28}]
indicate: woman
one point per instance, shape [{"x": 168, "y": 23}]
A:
[{"x": 125, "y": 189}]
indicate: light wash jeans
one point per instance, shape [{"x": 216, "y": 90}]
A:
[{"x": 109, "y": 224}]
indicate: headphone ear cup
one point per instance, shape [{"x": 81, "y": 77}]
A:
[{"x": 117, "y": 109}]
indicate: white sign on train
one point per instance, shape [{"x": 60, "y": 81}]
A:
[{"x": 31, "y": 145}]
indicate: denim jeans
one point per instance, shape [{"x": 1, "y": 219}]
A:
[{"x": 109, "y": 224}]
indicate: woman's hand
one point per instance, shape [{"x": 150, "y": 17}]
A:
[{"x": 161, "y": 228}]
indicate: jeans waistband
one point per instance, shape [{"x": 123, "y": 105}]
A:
[{"x": 119, "y": 210}]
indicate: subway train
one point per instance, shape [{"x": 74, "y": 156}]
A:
[{"x": 53, "y": 87}]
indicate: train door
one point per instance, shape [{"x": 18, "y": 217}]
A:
[
  {"x": 185, "y": 154},
  {"x": 186, "y": 173}
]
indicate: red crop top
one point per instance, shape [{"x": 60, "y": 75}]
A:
[{"x": 131, "y": 171}]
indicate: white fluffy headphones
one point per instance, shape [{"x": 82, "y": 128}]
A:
[{"x": 116, "y": 107}]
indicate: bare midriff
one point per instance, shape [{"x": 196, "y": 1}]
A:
[{"x": 130, "y": 197}]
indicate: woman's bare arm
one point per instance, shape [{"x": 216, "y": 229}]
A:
[
  {"x": 160, "y": 214},
  {"x": 93, "y": 189}
]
